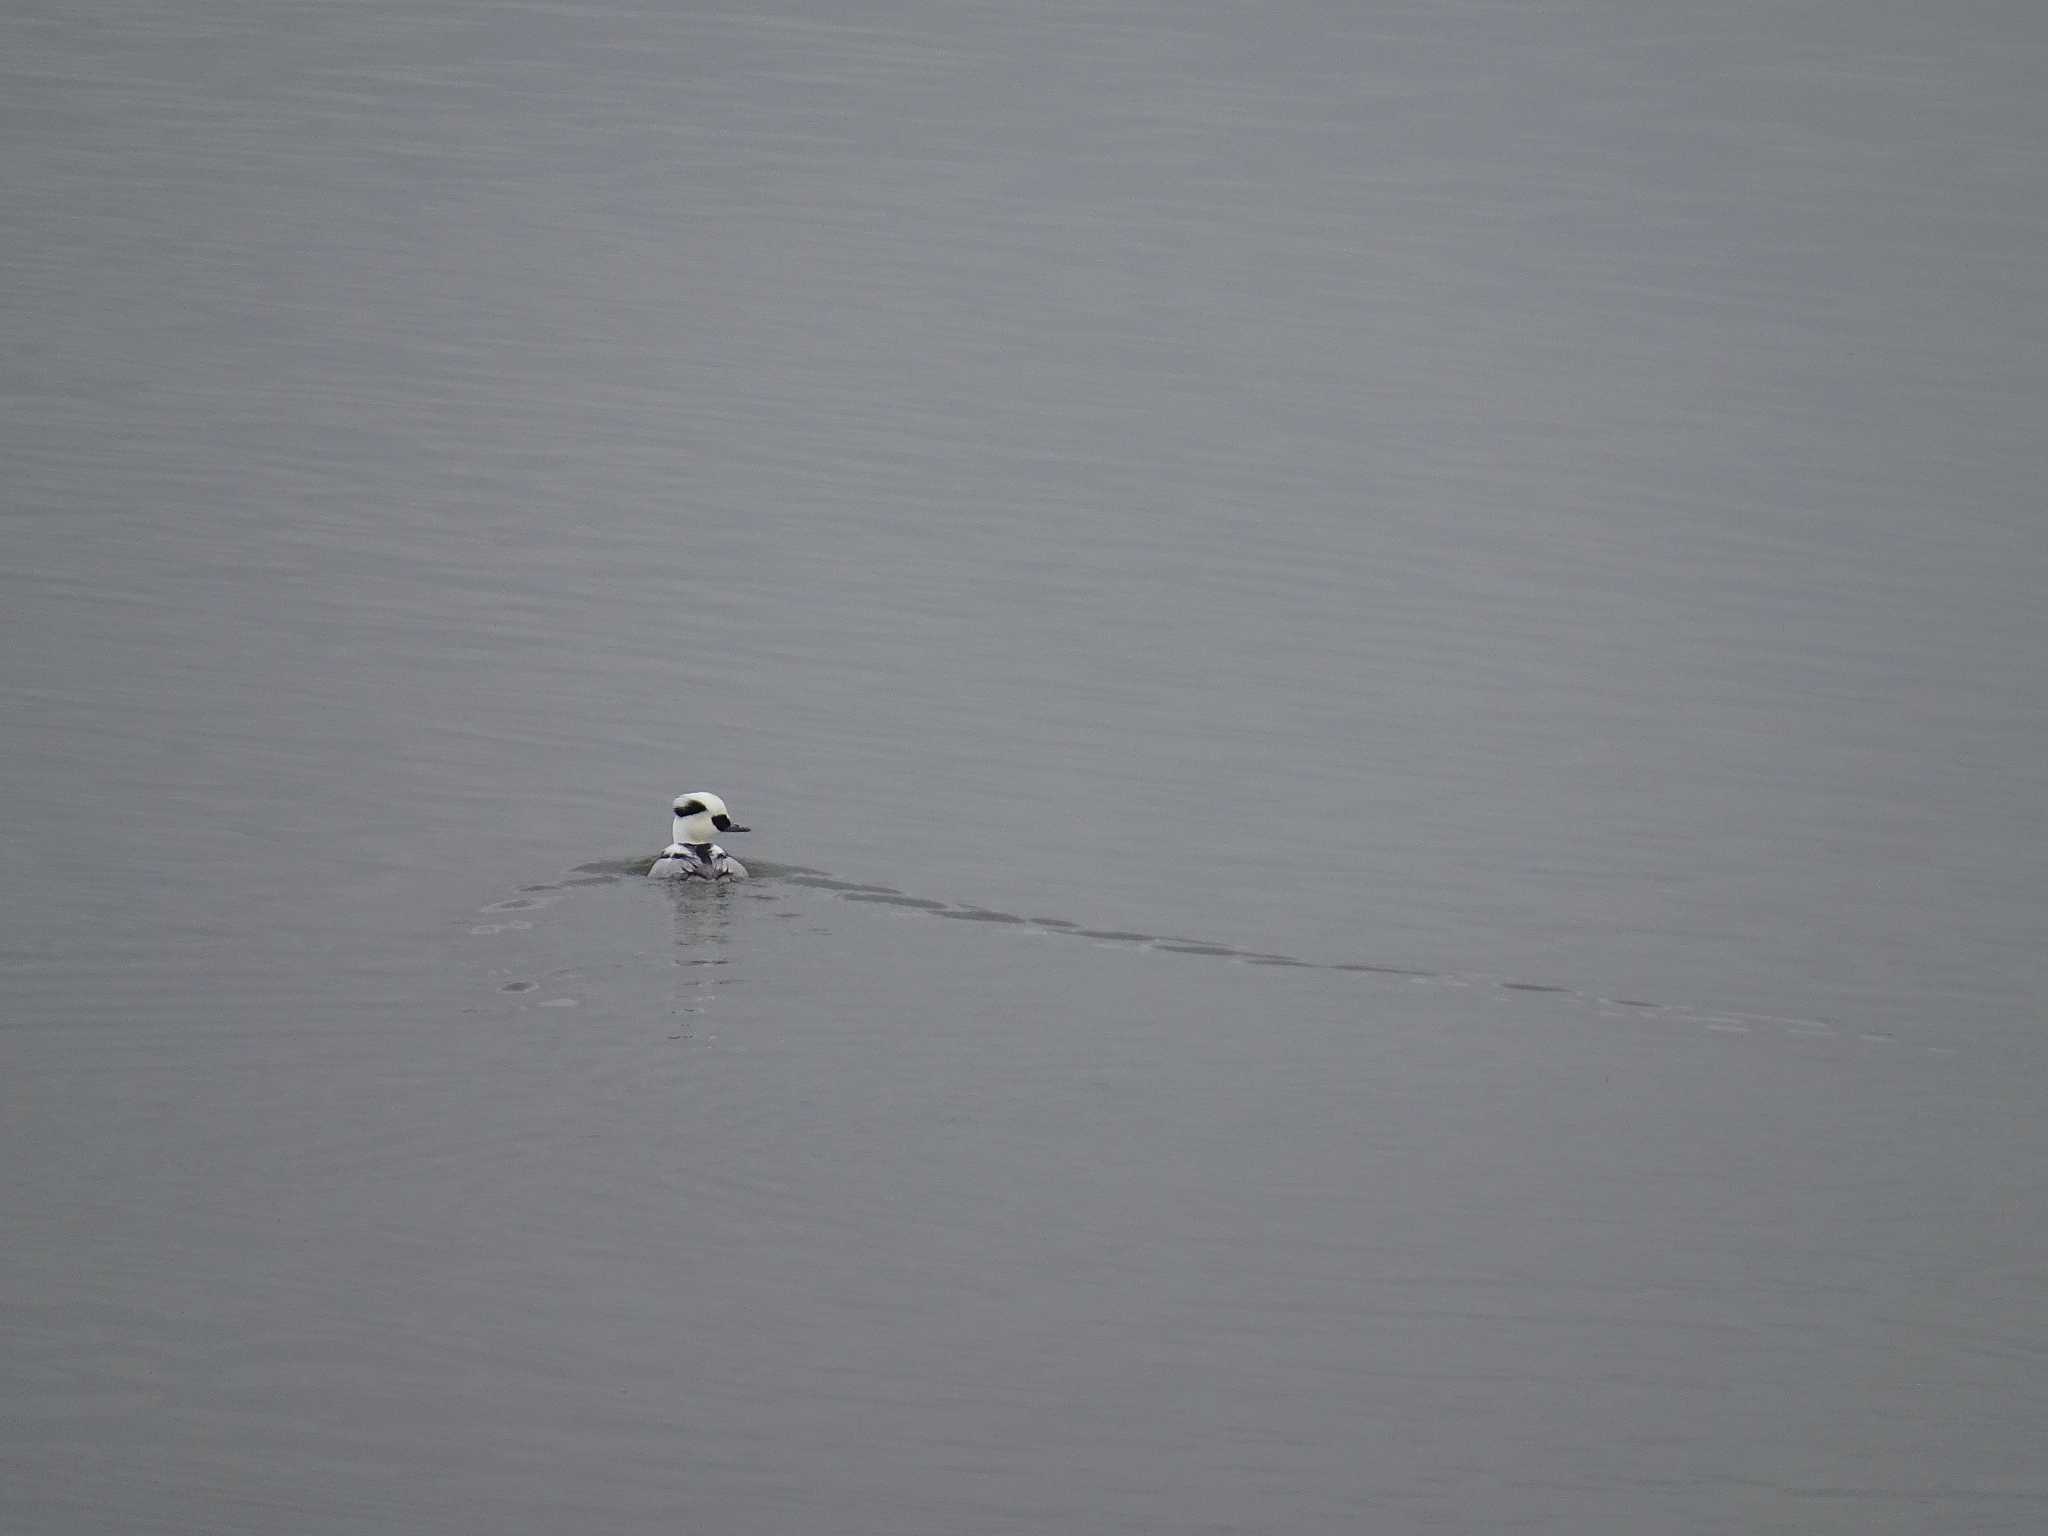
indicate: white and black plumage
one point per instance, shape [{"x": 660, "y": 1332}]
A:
[{"x": 693, "y": 855}]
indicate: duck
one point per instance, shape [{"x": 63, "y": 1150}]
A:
[{"x": 699, "y": 815}]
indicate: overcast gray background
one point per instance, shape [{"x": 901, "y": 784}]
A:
[{"x": 1467, "y": 497}]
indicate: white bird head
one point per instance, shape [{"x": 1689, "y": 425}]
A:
[{"x": 701, "y": 816}]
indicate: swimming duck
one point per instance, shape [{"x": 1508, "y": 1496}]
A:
[{"x": 693, "y": 855}]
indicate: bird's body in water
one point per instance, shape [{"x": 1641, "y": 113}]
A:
[{"x": 692, "y": 855}]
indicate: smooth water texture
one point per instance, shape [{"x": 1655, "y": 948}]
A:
[{"x": 1389, "y": 665}]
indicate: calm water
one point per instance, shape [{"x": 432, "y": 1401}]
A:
[{"x": 1388, "y": 661}]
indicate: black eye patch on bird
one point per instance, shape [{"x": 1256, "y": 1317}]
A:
[{"x": 723, "y": 823}]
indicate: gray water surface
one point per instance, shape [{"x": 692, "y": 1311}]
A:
[{"x": 1388, "y": 661}]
